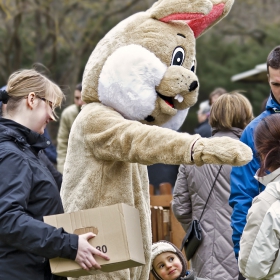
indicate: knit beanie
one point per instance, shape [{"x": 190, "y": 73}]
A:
[{"x": 165, "y": 246}]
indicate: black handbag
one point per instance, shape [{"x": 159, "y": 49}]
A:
[{"x": 193, "y": 237}]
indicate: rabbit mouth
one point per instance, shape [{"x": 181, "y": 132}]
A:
[{"x": 168, "y": 100}]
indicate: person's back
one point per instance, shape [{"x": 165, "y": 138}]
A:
[
  {"x": 243, "y": 185},
  {"x": 214, "y": 259},
  {"x": 68, "y": 116},
  {"x": 162, "y": 173}
]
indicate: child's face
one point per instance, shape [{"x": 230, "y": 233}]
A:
[{"x": 168, "y": 266}]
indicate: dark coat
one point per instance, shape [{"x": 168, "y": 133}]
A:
[
  {"x": 50, "y": 151},
  {"x": 204, "y": 129},
  {"x": 28, "y": 192}
]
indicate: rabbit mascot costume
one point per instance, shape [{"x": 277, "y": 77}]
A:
[{"x": 138, "y": 85}]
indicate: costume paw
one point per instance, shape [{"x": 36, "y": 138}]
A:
[{"x": 221, "y": 150}]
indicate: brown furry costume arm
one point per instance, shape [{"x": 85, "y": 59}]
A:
[{"x": 111, "y": 137}]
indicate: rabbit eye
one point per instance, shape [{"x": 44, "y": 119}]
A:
[
  {"x": 193, "y": 66},
  {"x": 178, "y": 56}
]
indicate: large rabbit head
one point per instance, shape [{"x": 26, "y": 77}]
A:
[{"x": 145, "y": 66}]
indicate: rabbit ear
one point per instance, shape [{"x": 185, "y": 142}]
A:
[{"x": 200, "y": 15}]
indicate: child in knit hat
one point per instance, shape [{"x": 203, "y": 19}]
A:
[{"x": 168, "y": 263}]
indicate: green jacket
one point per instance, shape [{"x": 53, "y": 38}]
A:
[{"x": 68, "y": 116}]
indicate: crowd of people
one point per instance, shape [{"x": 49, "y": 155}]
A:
[
  {"x": 214, "y": 259},
  {"x": 241, "y": 225},
  {"x": 240, "y": 205},
  {"x": 244, "y": 187}
]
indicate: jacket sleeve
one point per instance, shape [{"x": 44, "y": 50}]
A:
[
  {"x": 259, "y": 245},
  {"x": 181, "y": 203},
  {"x": 17, "y": 228},
  {"x": 62, "y": 140},
  {"x": 244, "y": 187}
]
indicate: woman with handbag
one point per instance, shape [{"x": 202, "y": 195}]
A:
[{"x": 200, "y": 197}]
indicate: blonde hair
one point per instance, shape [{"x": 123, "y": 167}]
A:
[
  {"x": 22, "y": 82},
  {"x": 231, "y": 110}
]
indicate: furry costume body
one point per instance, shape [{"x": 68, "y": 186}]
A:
[
  {"x": 113, "y": 158},
  {"x": 140, "y": 76}
]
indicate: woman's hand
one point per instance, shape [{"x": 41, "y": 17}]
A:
[{"x": 85, "y": 255}]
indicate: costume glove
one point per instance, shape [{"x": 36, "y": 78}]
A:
[{"x": 221, "y": 150}]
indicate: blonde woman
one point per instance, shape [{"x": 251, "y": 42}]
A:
[
  {"x": 215, "y": 258},
  {"x": 27, "y": 189}
]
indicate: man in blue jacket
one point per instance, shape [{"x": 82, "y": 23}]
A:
[{"x": 244, "y": 187}]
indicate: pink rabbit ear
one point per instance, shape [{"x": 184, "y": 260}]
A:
[{"x": 198, "y": 22}]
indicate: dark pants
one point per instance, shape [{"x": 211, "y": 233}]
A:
[{"x": 240, "y": 277}]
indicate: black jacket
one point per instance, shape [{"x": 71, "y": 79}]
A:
[
  {"x": 56, "y": 174},
  {"x": 28, "y": 192}
]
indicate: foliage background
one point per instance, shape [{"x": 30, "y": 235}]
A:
[
  {"x": 237, "y": 44},
  {"x": 62, "y": 34}
]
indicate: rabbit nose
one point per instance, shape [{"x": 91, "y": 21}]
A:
[{"x": 193, "y": 86}]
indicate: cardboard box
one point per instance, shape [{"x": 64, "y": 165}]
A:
[{"x": 118, "y": 234}]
